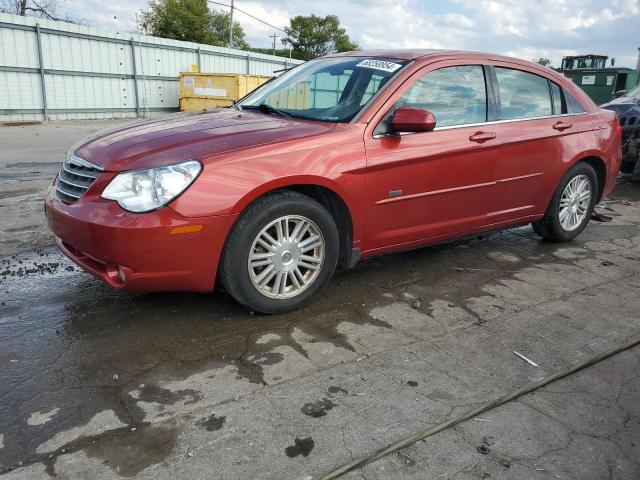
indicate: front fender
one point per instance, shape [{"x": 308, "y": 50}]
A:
[{"x": 225, "y": 188}]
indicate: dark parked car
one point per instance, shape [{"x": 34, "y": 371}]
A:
[{"x": 628, "y": 109}]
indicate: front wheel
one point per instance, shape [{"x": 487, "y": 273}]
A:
[
  {"x": 571, "y": 205},
  {"x": 281, "y": 252}
]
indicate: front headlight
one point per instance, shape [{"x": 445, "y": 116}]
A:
[{"x": 146, "y": 190}]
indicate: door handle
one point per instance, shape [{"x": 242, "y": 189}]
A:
[
  {"x": 482, "y": 136},
  {"x": 562, "y": 125}
]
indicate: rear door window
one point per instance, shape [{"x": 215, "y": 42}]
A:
[
  {"x": 573, "y": 106},
  {"x": 455, "y": 95},
  {"x": 522, "y": 94}
]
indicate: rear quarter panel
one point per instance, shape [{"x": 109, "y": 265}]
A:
[{"x": 604, "y": 142}]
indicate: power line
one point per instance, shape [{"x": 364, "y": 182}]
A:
[{"x": 247, "y": 14}]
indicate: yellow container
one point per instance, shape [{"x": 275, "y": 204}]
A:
[
  {"x": 209, "y": 90},
  {"x": 296, "y": 97},
  {"x": 202, "y": 103}
]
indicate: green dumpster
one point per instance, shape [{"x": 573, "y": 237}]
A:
[{"x": 599, "y": 82}]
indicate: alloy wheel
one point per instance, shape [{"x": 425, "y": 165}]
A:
[
  {"x": 286, "y": 257},
  {"x": 575, "y": 202}
]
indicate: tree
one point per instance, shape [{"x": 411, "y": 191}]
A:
[
  {"x": 220, "y": 31},
  {"x": 545, "y": 62},
  {"x": 315, "y": 36},
  {"x": 42, "y": 9},
  {"x": 280, "y": 52},
  {"x": 190, "y": 21}
]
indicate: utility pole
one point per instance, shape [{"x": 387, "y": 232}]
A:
[
  {"x": 231, "y": 27},
  {"x": 274, "y": 36}
]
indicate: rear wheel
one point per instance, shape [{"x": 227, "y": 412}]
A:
[
  {"x": 281, "y": 252},
  {"x": 571, "y": 205}
]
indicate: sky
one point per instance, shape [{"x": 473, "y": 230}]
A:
[{"x": 526, "y": 29}]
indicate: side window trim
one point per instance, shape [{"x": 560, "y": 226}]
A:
[
  {"x": 553, "y": 104},
  {"x": 563, "y": 104},
  {"x": 493, "y": 94},
  {"x": 512, "y": 120}
]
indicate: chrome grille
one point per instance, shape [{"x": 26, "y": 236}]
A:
[{"x": 74, "y": 178}]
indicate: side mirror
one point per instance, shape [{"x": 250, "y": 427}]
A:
[
  {"x": 413, "y": 119},
  {"x": 620, "y": 93}
]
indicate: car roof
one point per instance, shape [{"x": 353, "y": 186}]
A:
[
  {"x": 421, "y": 53},
  {"x": 411, "y": 54}
]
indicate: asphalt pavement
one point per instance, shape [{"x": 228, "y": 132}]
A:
[{"x": 99, "y": 384}]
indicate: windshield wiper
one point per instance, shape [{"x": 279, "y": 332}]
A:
[{"x": 263, "y": 107}]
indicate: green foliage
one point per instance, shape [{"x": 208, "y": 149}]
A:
[
  {"x": 543, "y": 61},
  {"x": 315, "y": 36},
  {"x": 220, "y": 31},
  {"x": 191, "y": 21},
  {"x": 280, "y": 52}
]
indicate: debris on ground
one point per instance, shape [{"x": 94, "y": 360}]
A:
[
  {"x": 599, "y": 217},
  {"x": 407, "y": 460},
  {"x": 485, "y": 447},
  {"x": 529, "y": 361},
  {"x": 488, "y": 440}
]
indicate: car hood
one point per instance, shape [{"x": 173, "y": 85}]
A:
[
  {"x": 622, "y": 103},
  {"x": 183, "y": 136}
]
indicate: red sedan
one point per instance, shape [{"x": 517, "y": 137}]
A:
[{"x": 340, "y": 158}]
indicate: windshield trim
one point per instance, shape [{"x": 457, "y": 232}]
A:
[{"x": 406, "y": 63}]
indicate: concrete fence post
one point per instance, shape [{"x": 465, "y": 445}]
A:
[
  {"x": 135, "y": 77},
  {"x": 43, "y": 85}
]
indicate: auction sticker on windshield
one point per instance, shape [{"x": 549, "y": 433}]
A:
[{"x": 379, "y": 65}]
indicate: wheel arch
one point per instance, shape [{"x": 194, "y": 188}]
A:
[
  {"x": 601, "y": 171},
  {"x": 329, "y": 196}
]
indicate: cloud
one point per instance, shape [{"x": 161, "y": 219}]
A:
[{"x": 550, "y": 28}]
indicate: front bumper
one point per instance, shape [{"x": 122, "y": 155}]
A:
[{"x": 136, "y": 251}]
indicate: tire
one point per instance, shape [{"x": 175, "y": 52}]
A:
[
  {"x": 551, "y": 226},
  {"x": 262, "y": 225}
]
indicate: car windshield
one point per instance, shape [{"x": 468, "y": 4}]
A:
[
  {"x": 633, "y": 93},
  {"x": 330, "y": 89}
]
